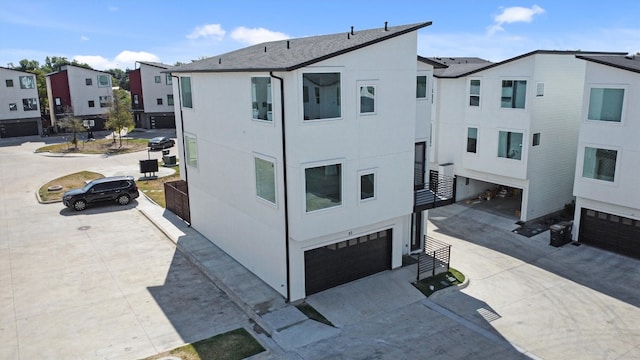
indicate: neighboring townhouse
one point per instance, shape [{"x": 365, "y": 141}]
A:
[
  {"x": 19, "y": 104},
  {"x": 86, "y": 92},
  {"x": 152, "y": 96},
  {"x": 607, "y": 174},
  {"x": 510, "y": 127},
  {"x": 300, "y": 154}
]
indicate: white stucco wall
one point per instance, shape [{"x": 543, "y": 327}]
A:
[
  {"x": 81, "y": 93},
  {"x": 151, "y": 91},
  {"x": 544, "y": 172},
  {"x": 224, "y": 205},
  {"x": 15, "y": 94},
  {"x": 620, "y": 197}
]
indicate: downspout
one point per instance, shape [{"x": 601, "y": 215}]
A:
[
  {"x": 184, "y": 148},
  {"x": 284, "y": 172}
]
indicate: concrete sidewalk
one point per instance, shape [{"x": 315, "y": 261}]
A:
[{"x": 286, "y": 328}]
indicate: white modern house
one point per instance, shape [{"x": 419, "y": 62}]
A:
[
  {"x": 608, "y": 161},
  {"x": 511, "y": 125},
  {"x": 19, "y": 104},
  {"x": 152, "y": 96},
  {"x": 86, "y": 92},
  {"x": 300, "y": 154}
]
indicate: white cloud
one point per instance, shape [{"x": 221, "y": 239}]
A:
[
  {"x": 210, "y": 31},
  {"x": 84, "y": 38},
  {"x": 256, "y": 35},
  {"x": 125, "y": 60},
  {"x": 512, "y": 15},
  {"x": 112, "y": 8}
]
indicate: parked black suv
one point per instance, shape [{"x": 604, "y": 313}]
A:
[{"x": 119, "y": 188}]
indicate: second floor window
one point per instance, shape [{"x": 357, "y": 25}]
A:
[
  {"x": 367, "y": 99},
  {"x": 105, "y": 101},
  {"x": 88, "y": 81},
  {"x": 599, "y": 164},
  {"x": 472, "y": 140},
  {"x": 514, "y": 94},
  {"x": 510, "y": 145},
  {"x": 157, "y": 79},
  {"x": 30, "y": 104},
  {"x": 170, "y": 99}
]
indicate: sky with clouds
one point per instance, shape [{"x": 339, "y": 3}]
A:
[{"x": 116, "y": 34}]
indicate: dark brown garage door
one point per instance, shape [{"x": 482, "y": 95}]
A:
[
  {"x": 23, "y": 128},
  {"x": 163, "y": 122},
  {"x": 610, "y": 232},
  {"x": 349, "y": 260}
]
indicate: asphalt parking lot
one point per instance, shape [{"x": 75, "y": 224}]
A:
[{"x": 99, "y": 284}]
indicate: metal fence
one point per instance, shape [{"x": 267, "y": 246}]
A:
[
  {"x": 434, "y": 259},
  {"x": 176, "y": 195}
]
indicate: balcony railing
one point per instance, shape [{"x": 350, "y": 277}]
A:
[{"x": 440, "y": 191}]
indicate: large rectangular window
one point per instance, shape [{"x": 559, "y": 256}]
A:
[
  {"x": 30, "y": 104},
  {"x": 191, "y": 145},
  {"x": 514, "y": 94},
  {"x": 472, "y": 140},
  {"x": 185, "y": 86},
  {"x": 599, "y": 164},
  {"x": 367, "y": 99},
  {"x": 325, "y": 102},
  {"x": 323, "y": 186},
  {"x": 105, "y": 101},
  {"x": 27, "y": 82},
  {"x": 510, "y": 145},
  {"x": 474, "y": 92},
  {"x": 261, "y": 98},
  {"x": 606, "y": 104},
  {"x": 265, "y": 180},
  {"x": 104, "y": 80},
  {"x": 421, "y": 87}
]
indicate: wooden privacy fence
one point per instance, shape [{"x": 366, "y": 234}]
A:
[
  {"x": 434, "y": 259},
  {"x": 176, "y": 195}
]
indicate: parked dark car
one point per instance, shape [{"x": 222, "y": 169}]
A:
[
  {"x": 120, "y": 189},
  {"x": 160, "y": 143}
]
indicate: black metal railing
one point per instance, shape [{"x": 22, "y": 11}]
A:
[
  {"x": 434, "y": 259},
  {"x": 440, "y": 191}
]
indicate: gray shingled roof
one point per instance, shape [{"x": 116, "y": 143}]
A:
[
  {"x": 628, "y": 62},
  {"x": 156, "y": 64},
  {"x": 452, "y": 67},
  {"x": 287, "y": 55}
]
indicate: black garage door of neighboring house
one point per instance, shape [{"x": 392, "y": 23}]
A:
[
  {"x": 163, "y": 122},
  {"x": 14, "y": 129},
  {"x": 610, "y": 232},
  {"x": 349, "y": 260}
]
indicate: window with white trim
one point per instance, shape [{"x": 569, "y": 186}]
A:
[
  {"x": 324, "y": 101},
  {"x": 261, "y": 106},
  {"x": 367, "y": 186},
  {"x": 510, "y": 145},
  {"x": 104, "y": 80},
  {"x": 367, "y": 99},
  {"x": 605, "y": 104},
  {"x": 191, "y": 147},
  {"x": 157, "y": 79},
  {"x": 421, "y": 87},
  {"x": 323, "y": 186},
  {"x": 474, "y": 92},
  {"x": 599, "y": 164},
  {"x": 185, "y": 86},
  {"x": 472, "y": 140},
  {"x": 265, "y": 179},
  {"x": 514, "y": 94}
]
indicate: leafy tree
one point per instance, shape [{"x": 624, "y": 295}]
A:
[
  {"x": 119, "y": 117},
  {"x": 120, "y": 78},
  {"x": 73, "y": 124}
]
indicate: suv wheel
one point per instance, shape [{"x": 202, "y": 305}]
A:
[
  {"x": 123, "y": 199},
  {"x": 79, "y": 205}
]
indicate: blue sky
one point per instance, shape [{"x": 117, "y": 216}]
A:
[{"x": 113, "y": 33}]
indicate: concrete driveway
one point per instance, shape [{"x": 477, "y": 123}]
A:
[{"x": 99, "y": 284}]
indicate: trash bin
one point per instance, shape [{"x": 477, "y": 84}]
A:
[
  {"x": 567, "y": 233},
  {"x": 557, "y": 234},
  {"x": 169, "y": 160}
]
